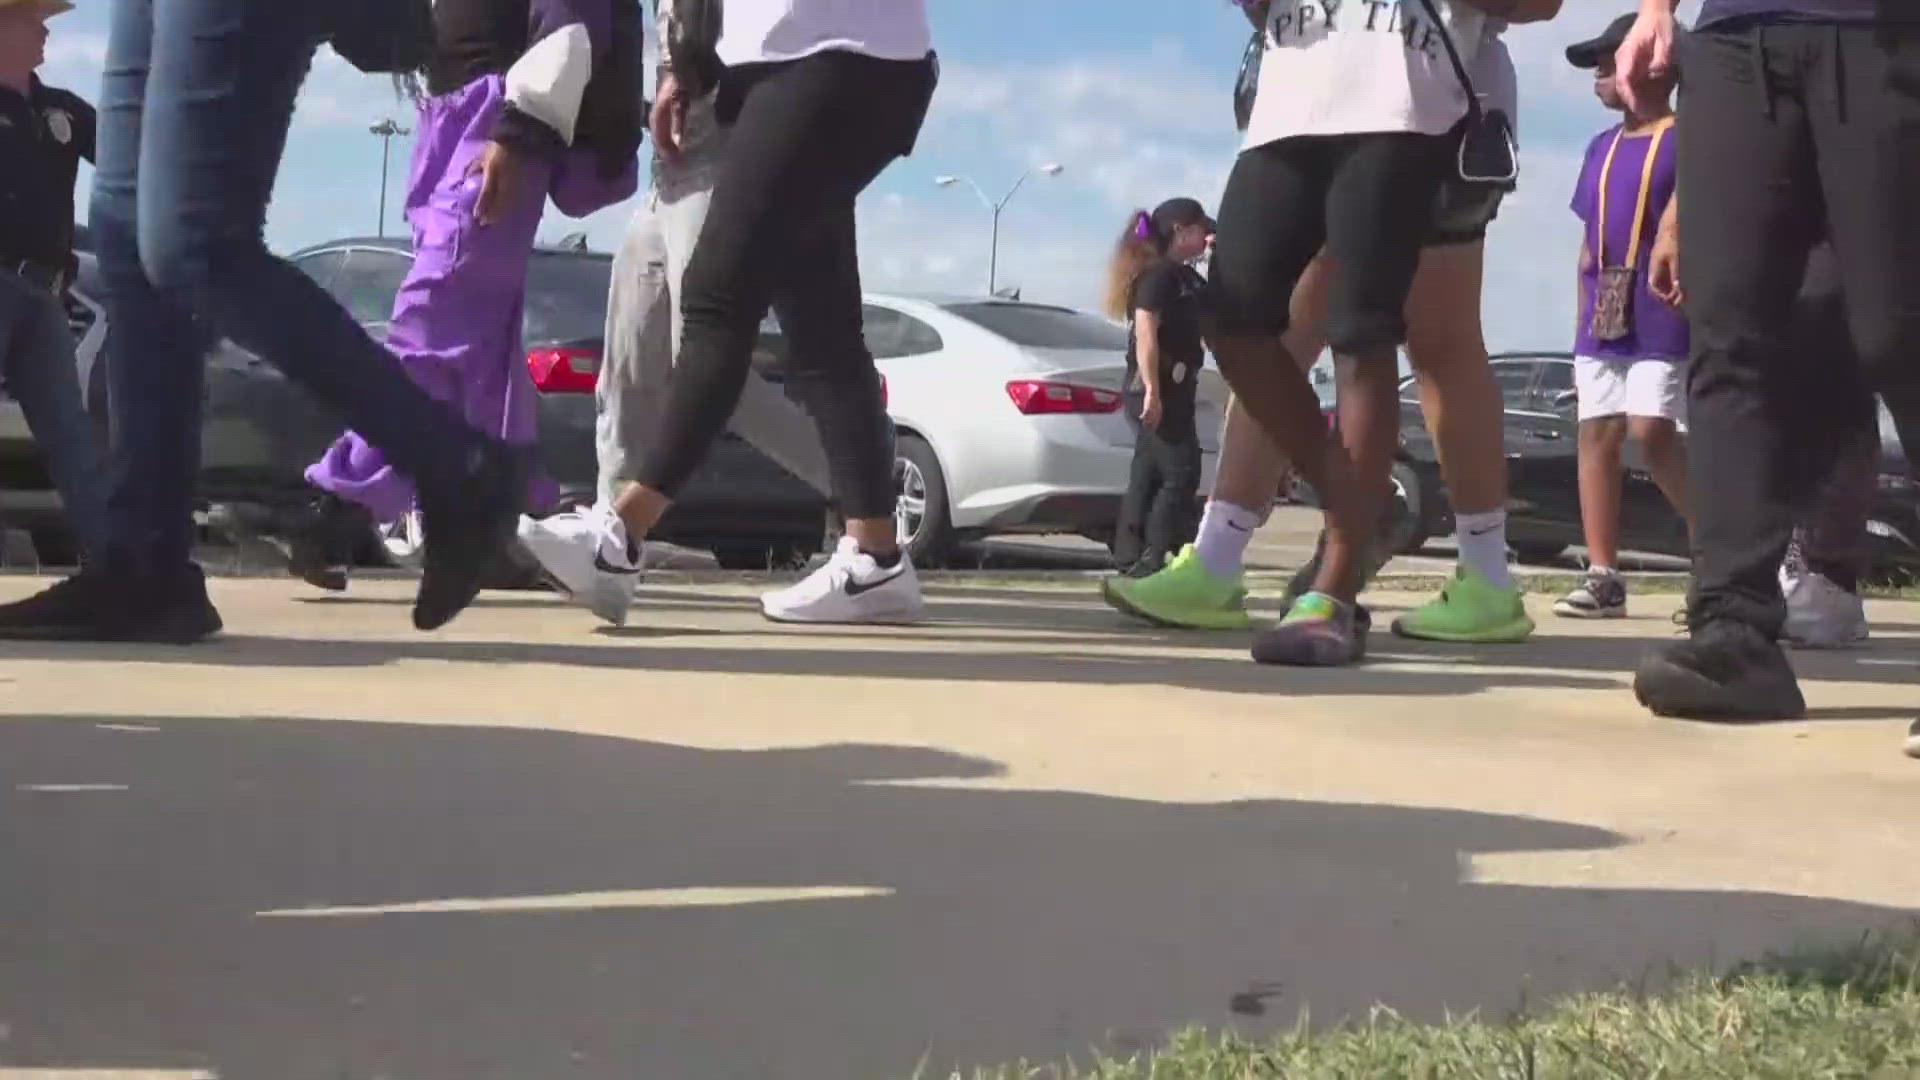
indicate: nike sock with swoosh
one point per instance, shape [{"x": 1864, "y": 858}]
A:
[
  {"x": 1483, "y": 545},
  {"x": 1225, "y": 532}
]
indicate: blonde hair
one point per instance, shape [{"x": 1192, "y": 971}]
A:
[{"x": 1139, "y": 245}]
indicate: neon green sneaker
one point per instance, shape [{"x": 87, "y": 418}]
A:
[
  {"x": 1184, "y": 595},
  {"x": 1470, "y": 609}
]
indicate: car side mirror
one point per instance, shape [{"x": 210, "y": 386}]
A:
[{"x": 1565, "y": 399}]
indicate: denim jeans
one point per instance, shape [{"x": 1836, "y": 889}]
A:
[
  {"x": 194, "y": 110},
  {"x": 643, "y": 337},
  {"x": 37, "y": 369}
]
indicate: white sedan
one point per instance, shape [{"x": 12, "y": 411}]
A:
[{"x": 1009, "y": 419}]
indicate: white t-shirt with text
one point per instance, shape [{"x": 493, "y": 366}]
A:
[
  {"x": 759, "y": 31},
  {"x": 1345, "y": 67}
]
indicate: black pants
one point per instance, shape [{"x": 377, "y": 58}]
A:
[
  {"x": 1367, "y": 199},
  {"x": 1789, "y": 131},
  {"x": 807, "y": 137},
  {"x": 1157, "y": 515}
]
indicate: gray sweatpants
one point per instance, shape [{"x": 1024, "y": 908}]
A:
[{"x": 643, "y": 339}]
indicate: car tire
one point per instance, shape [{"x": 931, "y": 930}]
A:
[
  {"x": 921, "y": 510},
  {"x": 54, "y": 546},
  {"x": 781, "y": 555},
  {"x": 1539, "y": 553},
  {"x": 1405, "y": 530}
]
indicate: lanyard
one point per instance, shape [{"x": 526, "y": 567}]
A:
[{"x": 1640, "y": 205}]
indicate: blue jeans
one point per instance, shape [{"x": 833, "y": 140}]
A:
[
  {"x": 37, "y": 368},
  {"x": 194, "y": 110}
]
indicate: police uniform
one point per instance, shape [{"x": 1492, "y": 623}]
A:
[{"x": 44, "y": 134}]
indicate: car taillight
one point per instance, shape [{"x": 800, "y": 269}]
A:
[
  {"x": 1037, "y": 398},
  {"x": 564, "y": 370}
]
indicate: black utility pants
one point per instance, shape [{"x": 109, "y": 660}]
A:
[{"x": 1789, "y": 132}]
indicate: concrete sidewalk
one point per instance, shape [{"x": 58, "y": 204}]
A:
[{"x": 705, "y": 847}]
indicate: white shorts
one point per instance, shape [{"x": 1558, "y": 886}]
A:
[{"x": 1607, "y": 386}]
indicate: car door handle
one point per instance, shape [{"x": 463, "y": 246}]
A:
[{"x": 1546, "y": 433}]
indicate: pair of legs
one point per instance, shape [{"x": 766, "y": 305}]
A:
[
  {"x": 37, "y": 370},
  {"x": 806, "y": 138},
  {"x": 455, "y": 326},
  {"x": 1366, "y": 199},
  {"x": 1157, "y": 512},
  {"x": 1793, "y": 129},
  {"x": 195, "y": 105}
]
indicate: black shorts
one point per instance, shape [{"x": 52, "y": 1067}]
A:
[
  {"x": 1462, "y": 213},
  {"x": 1367, "y": 199}
]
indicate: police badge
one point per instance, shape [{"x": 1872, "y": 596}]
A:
[{"x": 60, "y": 125}]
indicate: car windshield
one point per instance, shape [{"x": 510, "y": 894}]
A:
[
  {"x": 1038, "y": 326},
  {"x": 566, "y": 297}
]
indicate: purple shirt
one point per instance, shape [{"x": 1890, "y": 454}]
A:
[
  {"x": 1656, "y": 331},
  {"x": 1716, "y": 11}
]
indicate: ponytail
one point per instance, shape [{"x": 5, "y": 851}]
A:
[{"x": 1138, "y": 245}]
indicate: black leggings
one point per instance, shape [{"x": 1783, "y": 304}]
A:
[{"x": 806, "y": 138}]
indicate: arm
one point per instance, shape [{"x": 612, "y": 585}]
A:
[
  {"x": 1647, "y": 53},
  {"x": 1256, "y": 12},
  {"x": 1146, "y": 351},
  {"x": 86, "y": 126},
  {"x": 545, "y": 86},
  {"x": 1663, "y": 263}
]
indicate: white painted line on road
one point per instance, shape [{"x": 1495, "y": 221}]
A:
[
  {"x": 67, "y": 789},
  {"x": 106, "y": 1074},
  {"x": 589, "y": 901},
  {"x": 141, "y": 728}
]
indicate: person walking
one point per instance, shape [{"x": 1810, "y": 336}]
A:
[
  {"x": 44, "y": 135},
  {"x": 195, "y": 106},
  {"x": 1153, "y": 287},
  {"x": 820, "y": 96},
  {"x": 507, "y": 87},
  {"x": 1630, "y": 347},
  {"x": 643, "y": 341},
  {"x": 1800, "y": 121},
  {"x": 1204, "y": 587}
]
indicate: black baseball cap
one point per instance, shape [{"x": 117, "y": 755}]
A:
[
  {"x": 1175, "y": 213},
  {"x": 1587, "y": 55}
]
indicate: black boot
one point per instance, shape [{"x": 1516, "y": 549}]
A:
[
  {"x": 115, "y": 602},
  {"x": 1726, "y": 670},
  {"x": 323, "y": 539},
  {"x": 469, "y": 518}
]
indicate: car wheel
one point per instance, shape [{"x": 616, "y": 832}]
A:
[
  {"x": 1405, "y": 528},
  {"x": 920, "y": 512},
  {"x": 1539, "y": 553},
  {"x": 55, "y": 547},
  {"x": 783, "y": 555}
]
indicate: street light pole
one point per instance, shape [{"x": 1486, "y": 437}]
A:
[
  {"x": 386, "y": 129},
  {"x": 995, "y": 208}
]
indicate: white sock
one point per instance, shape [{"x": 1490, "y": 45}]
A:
[
  {"x": 615, "y": 545},
  {"x": 1225, "y": 532},
  {"x": 1482, "y": 539}
]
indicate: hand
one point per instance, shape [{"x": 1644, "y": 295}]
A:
[
  {"x": 502, "y": 175},
  {"x": 1663, "y": 269},
  {"x": 1645, "y": 57},
  {"x": 1150, "y": 411},
  {"x": 1256, "y": 13},
  {"x": 669, "y": 119}
]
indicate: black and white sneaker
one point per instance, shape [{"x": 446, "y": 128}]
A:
[
  {"x": 586, "y": 553},
  {"x": 1602, "y": 596},
  {"x": 853, "y": 587}
]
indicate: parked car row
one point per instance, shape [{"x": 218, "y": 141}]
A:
[
  {"x": 1007, "y": 413},
  {"x": 1540, "y": 425}
]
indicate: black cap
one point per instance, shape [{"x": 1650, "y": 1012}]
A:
[
  {"x": 1588, "y": 54},
  {"x": 1174, "y": 213}
]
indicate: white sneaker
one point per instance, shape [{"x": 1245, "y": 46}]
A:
[
  {"x": 850, "y": 588},
  {"x": 573, "y": 550},
  {"x": 1820, "y": 614}
]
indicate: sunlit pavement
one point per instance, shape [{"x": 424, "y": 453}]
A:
[{"x": 326, "y": 846}]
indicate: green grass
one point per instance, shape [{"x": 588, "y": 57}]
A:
[{"x": 1852, "y": 1012}]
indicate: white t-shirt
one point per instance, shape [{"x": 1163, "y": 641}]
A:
[
  {"x": 756, "y": 31},
  {"x": 1344, "y": 67}
]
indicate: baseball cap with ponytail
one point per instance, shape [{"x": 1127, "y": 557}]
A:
[{"x": 1145, "y": 239}]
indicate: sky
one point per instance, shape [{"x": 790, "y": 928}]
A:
[{"x": 1132, "y": 101}]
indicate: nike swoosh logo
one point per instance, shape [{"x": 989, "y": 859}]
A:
[
  {"x": 1482, "y": 532},
  {"x": 854, "y": 588},
  {"x": 1237, "y": 528},
  {"x": 601, "y": 564}
]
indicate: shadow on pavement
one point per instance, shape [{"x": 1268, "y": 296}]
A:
[{"x": 969, "y": 925}]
